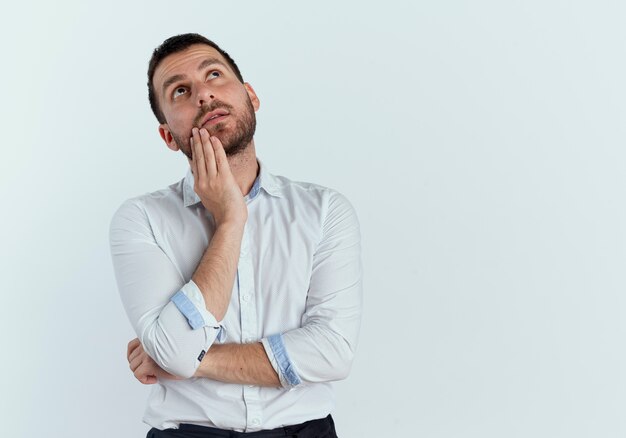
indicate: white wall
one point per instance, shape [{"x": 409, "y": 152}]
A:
[{"x": 481, "y": 142}]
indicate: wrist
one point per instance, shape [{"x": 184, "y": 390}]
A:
[
  {"x": 231, "y": 225},
  {"x": 207, "y": 365}
]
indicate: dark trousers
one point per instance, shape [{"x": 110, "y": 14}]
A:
[{"x": 322, "y": 428}]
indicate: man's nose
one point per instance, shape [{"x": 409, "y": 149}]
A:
[{"x": 205, "y": 95}]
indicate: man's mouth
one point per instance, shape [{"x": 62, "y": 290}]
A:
[{"x": 214, "y": 117}]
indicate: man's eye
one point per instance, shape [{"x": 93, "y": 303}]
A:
[
  {"x": 178, "y": 91},
  {"x": 214, "y": 74}
]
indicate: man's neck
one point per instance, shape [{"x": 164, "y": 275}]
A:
[{"x": 245, "y": 168}]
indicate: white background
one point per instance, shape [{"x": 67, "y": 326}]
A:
[{"x": 481, "y": 142}]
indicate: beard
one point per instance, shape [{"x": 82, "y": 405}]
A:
[{"x": 235, "y": 141}]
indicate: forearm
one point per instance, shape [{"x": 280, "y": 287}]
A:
[
  {"x": 245, "y": 364},
  {"x": 151, "y": 289},
  {"x": 215, "y": 275}
]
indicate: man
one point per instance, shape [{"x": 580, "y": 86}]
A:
[{"x": 244, "y": 287}]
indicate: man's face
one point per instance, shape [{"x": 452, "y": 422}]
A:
[{"x": 197, "y": 88}]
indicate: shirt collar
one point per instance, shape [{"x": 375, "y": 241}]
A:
[{"x": 266, "y": 181}]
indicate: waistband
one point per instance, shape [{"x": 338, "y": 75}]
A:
[{"x": 308, "y": 428}]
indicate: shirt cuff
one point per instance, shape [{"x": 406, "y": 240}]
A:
[
  {"x": 190, "y": 302},
  {"x": 277, "y": 354}
]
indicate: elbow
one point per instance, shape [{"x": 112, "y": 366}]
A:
[
  {"x": 180, "y": 357},
  {"x": 336, "y": 366},
  {"x": 174, "y": 344},
  {"x": 343, "y": 365},
  {"x": 329, "y": 358},
  {"x": 170, "y": 359},
  {"x": 180, "y": 368}
]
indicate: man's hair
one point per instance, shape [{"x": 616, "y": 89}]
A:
[{"x": 177, "y": 44}]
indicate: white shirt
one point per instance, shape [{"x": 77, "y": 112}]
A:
[{"x": 298, "y": 290}]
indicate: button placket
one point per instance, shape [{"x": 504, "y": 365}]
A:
[
  {"x": 254, "y": 412},
  {"x": 249, "y": 333}
]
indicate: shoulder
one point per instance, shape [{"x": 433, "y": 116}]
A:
[
  {"x": 290, "y": 187},
  {"x": 331, "y": 203},
  {"x": 143, "y": 208}
]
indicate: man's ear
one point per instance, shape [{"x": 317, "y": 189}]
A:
[
  {"x": 167, "y": 137},
  {"x": 256, "y": 103}
]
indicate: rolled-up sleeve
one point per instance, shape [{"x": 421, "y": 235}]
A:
[
  {"x": 168, "y": 313},
  {"x": 323, "y": 348}
]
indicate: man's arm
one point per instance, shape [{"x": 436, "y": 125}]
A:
[
  {"x": 221, "y": 196},
  {"x": 176, "y": 327},
  {"x": 322, "y": 349},
  {"x": 245, "y": 364},
  {"x": 215, "y": 274}
]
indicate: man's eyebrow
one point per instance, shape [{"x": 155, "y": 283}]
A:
[
  {"x": 210, "y": 61},
  {"x": 204, "y": 64},
  {"x": 170, "y": 81}
]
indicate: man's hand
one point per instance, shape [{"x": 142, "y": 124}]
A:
[
  {"x": 213, "y": 180},
  {"x": 145, "y": 369}
]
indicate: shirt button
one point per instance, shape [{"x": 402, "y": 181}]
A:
[
  {"x": 245, "y": 297},
  {"x": 256, "y": 421}
]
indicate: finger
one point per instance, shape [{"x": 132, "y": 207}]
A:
[
  {"x": 147, "y": 372},
  {"x": 131, "y": 346},
  {"x": 133, "y": 354},
  {"x": 209, "y": 154},
  {"x": 138, "y": 359},
  {"x": 135, "y": 363},
  {"x": 220, "y": 155},
  {"x": 143, "y": 375},
  {"x": 198, "y": 156}
]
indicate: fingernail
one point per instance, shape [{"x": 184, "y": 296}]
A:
[{"x": 194, "y": 130}]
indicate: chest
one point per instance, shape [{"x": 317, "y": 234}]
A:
[{"x": 274, "y": 268}]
